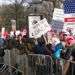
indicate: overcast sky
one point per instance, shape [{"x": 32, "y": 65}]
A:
[
  {"x": 4, "y": 2},
  {"x": 8, "y": 1}
]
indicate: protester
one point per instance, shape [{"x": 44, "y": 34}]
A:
[
  {"x": 50, "y": 44},
  {"x": 55, "y": 43},
  {"x": 2, "y": 53},
  {"x": 39, "y": 47}
]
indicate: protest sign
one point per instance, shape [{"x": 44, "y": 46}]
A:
[
  {"x": 32, "y": 20},
  {"x": 13, "y": 24},
  {"x": 58, "y": 15},
  {"x": 39, "y": 29},
  {"x": 58, "y": 19},
  {"x": 57, "y": 25},
  {"x": 2, "y": 32}
]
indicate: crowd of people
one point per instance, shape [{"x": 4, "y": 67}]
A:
[
  {"x": 52, "y": 43},
  {"x": 57, "y": 45}
]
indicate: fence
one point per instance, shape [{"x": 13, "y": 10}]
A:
[
  {"x": 69, "y": 68},
  {"x": 9, "y": 70},
  {"x": 31, "y": 64}
]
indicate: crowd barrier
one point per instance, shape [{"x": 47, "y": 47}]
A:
[
  {"x": 34, "y": 64},
  {"x": 9, "y": 70},
  {"x": 69, "y": 67},
  {"x": 31, "y": 64}
]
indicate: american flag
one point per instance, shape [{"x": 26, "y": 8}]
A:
[{"x": 69, "y": 6}]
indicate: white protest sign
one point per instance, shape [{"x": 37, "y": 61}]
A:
[
  {"x": 58, "y": 19},
  {"x": 44, "y": 26},
  {"x": 2, "y": 32},
  {"x": 32, "y": 20},
  {"x": 58, "y": 15},
  {"x": 13, "y": 23},
  {"x": 39, "y": 29}
]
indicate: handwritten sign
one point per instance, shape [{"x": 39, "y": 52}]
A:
[{"x": 39, "y": 29}]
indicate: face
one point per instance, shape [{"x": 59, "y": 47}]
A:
[{"x": 64, "y": 37}]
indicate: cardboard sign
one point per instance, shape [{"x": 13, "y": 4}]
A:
[
  {"x": 58, "y": 20},
  {"x": 39, "y": 29},
  {"x": 13, "y": 24},
  {"x": 32, "y": 21},
  {"x": 58, "y": 15}
]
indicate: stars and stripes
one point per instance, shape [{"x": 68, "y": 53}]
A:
[{"x": 69, "y": 6}]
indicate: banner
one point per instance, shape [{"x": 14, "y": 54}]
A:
[
  {"x": 69, "y": 22},
  {"x": 39, "y": 29}
]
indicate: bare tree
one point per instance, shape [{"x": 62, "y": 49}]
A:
[{"x": 15, "y": 10}]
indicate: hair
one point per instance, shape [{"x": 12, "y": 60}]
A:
[{"x": 41, "y": 40}]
